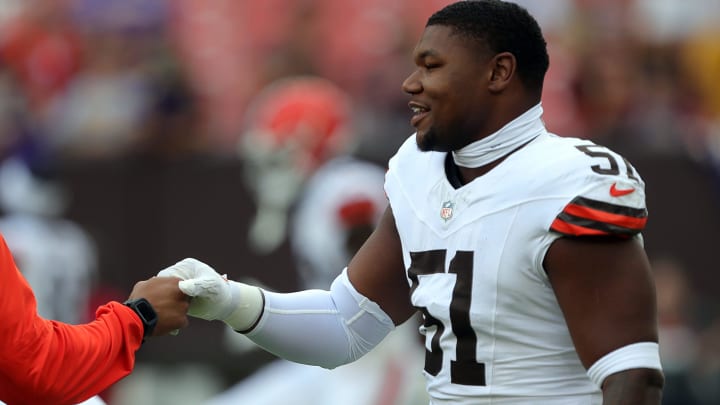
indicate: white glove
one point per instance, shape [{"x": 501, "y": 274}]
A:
[{"x": 214, "y": 296}]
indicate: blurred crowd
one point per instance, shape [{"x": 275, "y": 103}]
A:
[
  {"x": 91, "y": 81},
  {"x": 102, "y": 79}
]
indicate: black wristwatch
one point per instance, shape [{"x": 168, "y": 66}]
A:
[{"x": 147, "y": 314}]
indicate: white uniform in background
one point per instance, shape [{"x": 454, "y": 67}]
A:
[
  {"x": 58, "y": 259},
  {"x": 340, "y": 193},
  {"x": 56, "y": 256},
  {"x": 493, "y": 328}
]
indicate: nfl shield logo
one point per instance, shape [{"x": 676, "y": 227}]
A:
[{"x": 446, "y": 211}]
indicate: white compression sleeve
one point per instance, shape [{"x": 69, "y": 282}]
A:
[{"x": 321, "y": 328}]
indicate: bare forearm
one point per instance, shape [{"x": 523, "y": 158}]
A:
[{"x": 640, "y": 386}]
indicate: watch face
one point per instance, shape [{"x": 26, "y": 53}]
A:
[{"x": 146, "y": 311}]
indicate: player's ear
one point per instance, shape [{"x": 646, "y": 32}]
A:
[{"x": 502, "y": 70}]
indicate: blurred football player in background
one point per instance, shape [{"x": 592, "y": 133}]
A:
[
  {"x": 293, "y": 126},
  {"x": 55, "y": 255},
  {"x": 330, "y": 216}
]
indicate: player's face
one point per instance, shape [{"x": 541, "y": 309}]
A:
[{"x": 448, "y": 98}]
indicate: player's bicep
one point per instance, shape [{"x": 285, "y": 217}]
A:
[
  {"x": 377, "y": 271},
  {"x": 606, "y": 291}
]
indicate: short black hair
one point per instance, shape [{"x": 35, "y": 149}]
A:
[{"x": 503, "y": 27}]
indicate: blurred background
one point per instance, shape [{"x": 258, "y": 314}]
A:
[{"x": 134, "y": 133}]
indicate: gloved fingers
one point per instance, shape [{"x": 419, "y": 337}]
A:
[
  {"x": 205, "y": 287},
  {"x": 187, "y": 268},
  {"x": 183, "y": 269},
  {"x": 189, "y": 287}
]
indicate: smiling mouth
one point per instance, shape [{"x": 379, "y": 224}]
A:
[{"x": 419, "y": 112}]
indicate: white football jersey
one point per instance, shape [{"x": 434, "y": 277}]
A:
[{"x": 494, "y": 332}]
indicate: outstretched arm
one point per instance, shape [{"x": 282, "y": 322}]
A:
[
  {"x": 324, "y": 328},
  {"x": 606, "y": 292},
  {"x": 52, "y": 362}
]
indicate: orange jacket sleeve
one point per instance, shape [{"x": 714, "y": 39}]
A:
[{"x": 50, "y": 362}]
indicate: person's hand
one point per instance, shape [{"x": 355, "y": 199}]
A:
[
  {"x": 170, "y": 304},
  {"x": 211, "y": 292},
  {"x": 214, "y": 296}
]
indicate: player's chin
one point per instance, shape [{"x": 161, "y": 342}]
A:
[{"x": 425, "y": 140}]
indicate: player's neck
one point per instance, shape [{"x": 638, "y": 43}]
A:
[
  {"x": 467, "y": 174},
  {"x": 514, "y": 133},
  {"x": 459, "y": 176}
]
